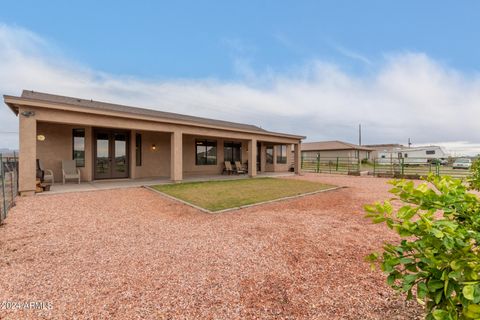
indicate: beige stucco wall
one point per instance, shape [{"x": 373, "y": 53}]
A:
[
  {"x": 155, "y": 163},
  {"x": 189, "y": 166},
  {"x": 270, "y": 167},
  {"x": 278, "y": 167},
  {"x": 57, "y": 146},
  {"x": 27, "y": 154},
  {"x": 57, "y": 124},
  {"x": 86, "y": 119}
]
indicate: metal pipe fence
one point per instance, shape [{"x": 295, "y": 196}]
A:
[
  {"x": 8, "y": 184},
  {"x": 388, "y": 167},
  {"x": 339, "y": 165},
  {"x": 418, "y": 167}
]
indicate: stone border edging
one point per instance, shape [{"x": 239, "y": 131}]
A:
[{"x": 241, "y": 207}]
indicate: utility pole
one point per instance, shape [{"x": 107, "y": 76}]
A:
[{"x": 360, "y": 134}]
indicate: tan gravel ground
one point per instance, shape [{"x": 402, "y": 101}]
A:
[{"x": 130, "y": 253}]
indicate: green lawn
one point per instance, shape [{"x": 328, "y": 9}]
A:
[{"x": 219, "y": 195}]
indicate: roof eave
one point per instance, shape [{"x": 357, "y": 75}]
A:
[
  {"x": 12, "y": 106},
  {"x": 12, "y": 101}
]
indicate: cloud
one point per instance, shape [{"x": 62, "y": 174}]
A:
[
  {"x": 406, "y": 95},
  {"x": 353, "y": 55}
]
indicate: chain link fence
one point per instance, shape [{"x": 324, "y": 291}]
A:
[{"x": 8, "y": 184}]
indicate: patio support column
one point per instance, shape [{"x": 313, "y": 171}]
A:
[
  {"x": 274, "y": 157},
  {"x": 133, "y": 153},
  {"x": 252, "y": 157},
  {"x": 87, "y": 171},
  {"x": 176, "y": 156},
  {"x": 28, "y": 153},
  {"x": 297, "y": 153},
  {"x": 263, "y": 160}
]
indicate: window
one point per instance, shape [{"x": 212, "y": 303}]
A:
[
  {"x": 138, "y": 149},
  {"x": 269, "y": 154},
  {"x": 430, "y": 152},
  {"x": 232, "y": 151},
  {"x": 206, "y": 152},
  {"x": 79, "y": 147},
  {"x": 405, "y": 155},
  {"x": 282, "y": 154}
]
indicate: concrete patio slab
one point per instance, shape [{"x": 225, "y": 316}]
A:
[{"x": 59, "y": 188}]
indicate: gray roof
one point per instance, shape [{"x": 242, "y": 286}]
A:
[
  {"x": 383, "y": 146},
  {"x": 331, "y": 145},
  {"x": 92, "y": 104}
]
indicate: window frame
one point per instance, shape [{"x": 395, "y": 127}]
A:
[
  {"x": 81, "y": 160},
  {"x": 282, "y": 159},
  {"x": 268, "y": 160},
  {"x": 232, "y": 145},
  {"x": 207, "y": 143},
  {"x": 138, "y": 150}
]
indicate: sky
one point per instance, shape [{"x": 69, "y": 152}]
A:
[{"x": 404, "y": 69}]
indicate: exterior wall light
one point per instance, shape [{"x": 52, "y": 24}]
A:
[
  {"x": 28, "y": 113},
  {"x": 41, "y": 137},
  {"x": 154, "y": 147}
]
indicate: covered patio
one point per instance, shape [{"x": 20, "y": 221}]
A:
[{"x": 109, "y": 141}]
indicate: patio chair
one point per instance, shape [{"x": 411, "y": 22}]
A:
[
  {"x": 239, "y": 168},
  {"x": 46, "y": 174},
  {"x": 228, "y": 168},
  {"x": 70, "y": 170}
]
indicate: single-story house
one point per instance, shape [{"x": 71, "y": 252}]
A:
[
  {"x": 110, "y": 141},
  {"x": 334, "y": 149}
]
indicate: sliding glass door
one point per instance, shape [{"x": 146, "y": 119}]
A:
[{"x": 232, "y": 151}]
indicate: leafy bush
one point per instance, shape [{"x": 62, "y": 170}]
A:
[
  {"x": 474, "y": 178},
  {"x": 437, "y": 260}
]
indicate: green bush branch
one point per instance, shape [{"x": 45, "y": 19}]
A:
[{"x": 437, "y": 259}]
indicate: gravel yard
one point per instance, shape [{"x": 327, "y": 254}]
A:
[{"x": 130, "y": 253}]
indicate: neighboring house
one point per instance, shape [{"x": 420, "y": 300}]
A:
[
  {"x": 334, "y": 149},
  {"x": 111, "y": 141},
  {"x": 413, "y": 155},
  {"x": 382, "y": 148}
]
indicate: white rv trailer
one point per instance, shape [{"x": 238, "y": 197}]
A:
[{"x": 417, "y": 155}]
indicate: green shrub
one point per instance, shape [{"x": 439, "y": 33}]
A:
[
  {"x": 474, "y": 178},
  {"x": 437, "y": 260}
]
